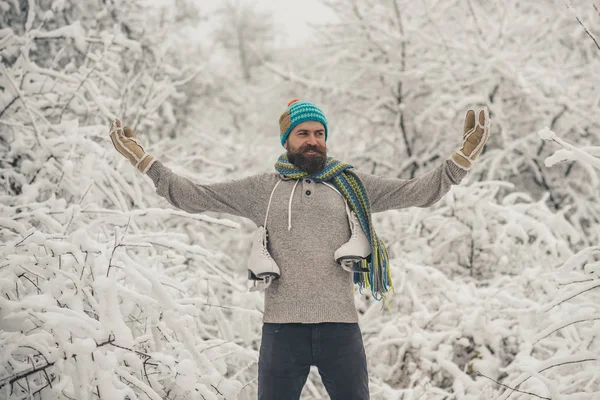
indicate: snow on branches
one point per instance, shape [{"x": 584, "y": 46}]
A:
[
  {"x": 474, "y": 280},
  {"x": 101, "y": 294}
]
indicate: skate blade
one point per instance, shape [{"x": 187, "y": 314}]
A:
[
  {"x": 353, "y": 265},
  {"x": 261, "y": 284}
]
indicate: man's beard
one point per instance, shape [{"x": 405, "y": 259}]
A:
[{"x": 310, "y": 164}]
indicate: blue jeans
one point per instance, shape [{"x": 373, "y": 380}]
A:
[{"x": 288, "y": 351}]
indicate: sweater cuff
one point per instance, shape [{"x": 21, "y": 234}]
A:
[
  {"x": 155, "y": 171},
  {"x": 456, "y": 173}
]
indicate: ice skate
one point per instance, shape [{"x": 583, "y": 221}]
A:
[
  {"x": 351, "y": 253},
  {"x": 262, "y": 269}
]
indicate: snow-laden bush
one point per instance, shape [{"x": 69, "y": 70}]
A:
[
  {"x": 103, "y": 294},
  {"x": 480, "y": 302},
  {"x": 560, "y": 357},
  {"x": 560, "y": 354},
  {"x": 478, "y": 232}
]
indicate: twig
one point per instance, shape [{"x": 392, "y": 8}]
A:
[
  {"x": 479, "y": 29},
  {"x": 85, "y": 193},
  {"x": 583, "y": 155},
  {"x": 10, "y": 103},
  {"x": 249, "y": 382},
  {"x": 552, "y": 125},
  {"x": 85, "y": 78},
  {"x": 575, "y": 295},
  {"x": 568, "y": 362},
  {"x": 139, "y": 353},
  {"x": 511, "y": 388},
  {"x": 32, "y": 282},
  {"x": 20, "y": 95},
  {"x": 24, "y": 374},
  {"x": 574, "y": 282},
  {"x": 214, "y": 387},
  {"x": 146, "y": 372},
  {"x": 545, "y": 184},
  {"x": 25, "y": 238},
  {"x": 431, "y": 320},
  {"x": 132, "y": 380},
  {"x": 570, "y": 7},
  {"x": 547, "y": 368},
  {"x": 117, "y": 246},
  {"x": 40, "y": 389},
  {"x": 44, "y": 357},
  {"x": 564, "y": 326},
  {"x": 147, "y": 97}
]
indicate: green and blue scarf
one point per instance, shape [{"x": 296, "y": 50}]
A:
[{"x": 378, "y": 278}]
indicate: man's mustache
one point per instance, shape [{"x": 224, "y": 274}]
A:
[{"x": 310, "y": 147}]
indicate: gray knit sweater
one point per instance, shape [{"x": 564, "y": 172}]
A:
[{"x": 313, "y": 287}]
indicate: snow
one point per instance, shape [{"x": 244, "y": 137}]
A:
[
  {"x": 546, "y": 134},
  {"x": 115, "y": 294}
]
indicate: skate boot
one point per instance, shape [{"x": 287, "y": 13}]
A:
[
  {"x": 262, "y": 269},
  {"x": 351, "y": 253}
]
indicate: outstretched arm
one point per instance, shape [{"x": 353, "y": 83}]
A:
[
  {"x": 391, "y": 193},
  {"x": 242, "y": 197}
]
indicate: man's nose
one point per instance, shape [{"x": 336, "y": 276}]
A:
[{"x": 312, "y": 140}]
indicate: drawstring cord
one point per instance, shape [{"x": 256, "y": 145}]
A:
[
  {"x": 348, "y": 211},
  {"x": 269, "y": 206},
  {"x": 290, "y": 205}
]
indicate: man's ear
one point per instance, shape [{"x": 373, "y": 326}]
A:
[{"x": 285, "y": 144}]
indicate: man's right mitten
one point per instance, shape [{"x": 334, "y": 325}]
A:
[{"x": 127, "y": 143}]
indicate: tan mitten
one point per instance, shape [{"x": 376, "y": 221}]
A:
[
  {"x": 127, "y": 143},
  {"x": 476, "y": 134}
]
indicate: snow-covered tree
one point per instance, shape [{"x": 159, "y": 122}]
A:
[
  {"x": 247, "y": 32},
  {"x": 107, "y": 292},
  {"x": 104, "y": 295},
  {"x": 398, "y": 76}
]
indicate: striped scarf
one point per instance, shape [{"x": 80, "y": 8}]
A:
[{"x": 378, "y": 278}]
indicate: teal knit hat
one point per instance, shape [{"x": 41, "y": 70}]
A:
[{"x": 298, "y": 112}]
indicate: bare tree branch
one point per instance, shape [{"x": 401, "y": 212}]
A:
[
  {"x": 511, "y": 388},
  {"x": 38, "y": 136},
  {"x": 570, "y": 7}
]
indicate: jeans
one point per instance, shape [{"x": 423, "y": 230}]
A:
[{"x": 288, "y": 351}]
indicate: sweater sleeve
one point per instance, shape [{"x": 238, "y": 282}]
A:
[
  {"x": 245, "y": 197},
  {"x": 392, "y": 193}
]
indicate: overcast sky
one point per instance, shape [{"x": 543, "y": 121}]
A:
[{"x": 294, "y": 16}]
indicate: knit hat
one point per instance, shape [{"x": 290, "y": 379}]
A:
[{"x": 299, "y": 111}]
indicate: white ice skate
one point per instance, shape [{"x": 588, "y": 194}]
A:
[
  {"x": 262, "y": 269},
  {"x": 351, "y": 253}
]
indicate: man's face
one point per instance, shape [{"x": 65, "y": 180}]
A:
[{"x": 306, "y": 147}]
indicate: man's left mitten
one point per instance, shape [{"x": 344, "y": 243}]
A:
[
  {"x": 476, "y": 134},
  {"x": 127, "y": 143}
]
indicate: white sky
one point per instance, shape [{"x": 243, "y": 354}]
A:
[{"x": 294, "y": 16}]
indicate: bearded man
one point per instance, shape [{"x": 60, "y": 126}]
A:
[{"x": 310, "y": 316}]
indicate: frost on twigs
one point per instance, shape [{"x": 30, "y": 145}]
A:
[
  {"x": 569, "y": 152},
  {"x": 475, "y": 277},
  {"x": 546, "y": 134},
  {"x": 101, "y": 294}
]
